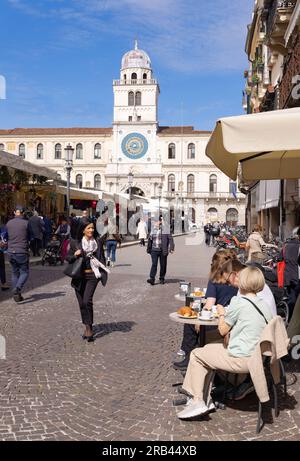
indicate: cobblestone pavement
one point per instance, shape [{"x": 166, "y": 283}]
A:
[{"x": 55, "y": 386}]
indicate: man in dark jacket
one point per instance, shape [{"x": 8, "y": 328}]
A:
[
  {"x": 37, "y": 230},
  {"x": 17, "y": 249},
  {"x": 160, "y": 242}
]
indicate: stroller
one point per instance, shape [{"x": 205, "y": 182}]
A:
[{"x": 52, "y": 253}]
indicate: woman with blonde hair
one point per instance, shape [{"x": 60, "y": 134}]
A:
[
  {"x": 246, "y": 317},
  {"x": 218, "y": 292}
]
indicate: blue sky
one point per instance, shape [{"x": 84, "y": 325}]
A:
[{"x": 59, "y": 58}]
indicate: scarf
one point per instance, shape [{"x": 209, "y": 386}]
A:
[{"x": 90, "y": 247}]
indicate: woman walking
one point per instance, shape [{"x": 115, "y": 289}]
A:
[
  {"x": 93, "y": 270},
  {"x": 142, "y": 231}
]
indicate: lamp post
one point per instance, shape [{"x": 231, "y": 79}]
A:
[
  {"x": 159, "y": 198},
  {"x": 130, "y": 182},
  {"x": 69, "y": 166}
]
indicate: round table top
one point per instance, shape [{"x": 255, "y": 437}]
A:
[{"x": 174, "y": 316}]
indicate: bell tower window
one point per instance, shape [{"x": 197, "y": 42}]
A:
[
  {"x": 144, "y": 78},
  {"x": 133, "y": 78},
  {"x": 138, "y": 98},
  {"x": 131, "y": 98}
]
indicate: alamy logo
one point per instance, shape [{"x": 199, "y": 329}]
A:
[
  {"x": 2, "y": 87},
  {"x": 2, "y": 348},
  {"x": 296, "y": 89}
]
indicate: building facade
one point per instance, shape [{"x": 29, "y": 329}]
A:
[
  {"x": 272, "y": 83},
  {"x": 165, "y": 161}
]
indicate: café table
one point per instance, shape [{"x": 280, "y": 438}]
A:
[{"x": 203, "y": 323}]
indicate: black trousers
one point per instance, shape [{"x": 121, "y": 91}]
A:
[
  {"x": 36, "y": 245},
  {"x": 85, "y": 298},
  {"x": 190, "y": 339},
  {"x": 2, "y": 268},
  {"x": 155, "y": 256},
  {"x": 142, "y": 242}
]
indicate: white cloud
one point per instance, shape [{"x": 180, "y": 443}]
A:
[{"x": 183, "y": 35}]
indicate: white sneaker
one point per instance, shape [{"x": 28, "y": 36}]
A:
[
  {"x": 181, "y": 353},
  {"x": 193, "y": 409}
]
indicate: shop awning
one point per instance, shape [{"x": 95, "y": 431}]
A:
[
  {"x": 79, "y": 194},
  {"x": 267, "y": 145},
  {"x": 18, "y": 163}
]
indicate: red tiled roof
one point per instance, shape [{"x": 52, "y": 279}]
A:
[
  {"x": 180, "y": 130},
  {"x": 162, "y": 130},
  {"x": 54, "y": 131}
]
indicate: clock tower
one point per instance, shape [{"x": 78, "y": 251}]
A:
[{"x": 135, "y": 119}]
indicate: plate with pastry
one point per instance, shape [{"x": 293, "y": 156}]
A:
[{"x": 186, "y": 313}]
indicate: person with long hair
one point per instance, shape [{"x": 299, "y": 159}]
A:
[
  {"x": 218, "y": 292},
  {"x": 93, "y": 270}
]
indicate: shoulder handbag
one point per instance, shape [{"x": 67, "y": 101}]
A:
[
  {"x": 226, "y": 338},
  {"x": 74, "y": 270}
]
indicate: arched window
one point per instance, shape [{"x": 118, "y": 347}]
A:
[
  {"x": 97, "y": 150},
  {"x": 125, "y": 77},
  {"x": 79, "y": 181},
  {"x": 57, "y": 153},
  {"x": 138, "y": 98},
  {"x": 2, "y": 146},
  {"x": 131, "y": 98},
  {"x": 97, "y": 181},
  {"x": 171, "y": 151},
  {"x": 22, "y": 150},
  {"x": 39, "y": 151},
  {"x": 190, "y": 183},
  {"x": 171, "y": 183},
  {"x": 79, "y": 151},
  {"x": 144, "y": 77},
  {"x": 133, "y": 77},
  {"x": 212, "y": 214},
  {"x": 191, "y": 151},
  {"x": 213, "y": 183},
  {"x": 232, "y": 217}
]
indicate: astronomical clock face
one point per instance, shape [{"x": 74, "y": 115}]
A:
[{"x": 134, "y": 146}]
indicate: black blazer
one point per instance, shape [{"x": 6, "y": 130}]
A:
[
  {"x": 167, "y": 243},
  {"x": 100, "y": 255}
]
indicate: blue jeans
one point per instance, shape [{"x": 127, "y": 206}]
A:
[
  {"x": 111, "y": 246},
  {"x": 20, "y": 270}
]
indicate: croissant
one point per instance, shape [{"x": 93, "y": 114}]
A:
[{"x": 186, "y": 311}]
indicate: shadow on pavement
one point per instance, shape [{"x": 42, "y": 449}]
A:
[
  {"x": 122, "y": 265},
  {"x": 103, "y": 329},
  {"x": 38, "y": 277},
  {"x": 40, "y": 296}
]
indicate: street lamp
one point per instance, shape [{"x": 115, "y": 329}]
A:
[
  {"x": 68, "y": 166},
  {"x": 159, "y": 198},
  {"x": 130, "y": 182}
]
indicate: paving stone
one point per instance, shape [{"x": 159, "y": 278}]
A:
[{"x": 55, "y": 386}]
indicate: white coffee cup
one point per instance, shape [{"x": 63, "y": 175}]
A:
[
  {"x": 214, "y": 309},
  {"x": 205, "y": 314}
]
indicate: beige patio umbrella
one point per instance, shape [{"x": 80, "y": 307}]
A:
[{"x": 267, "y": 145}]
